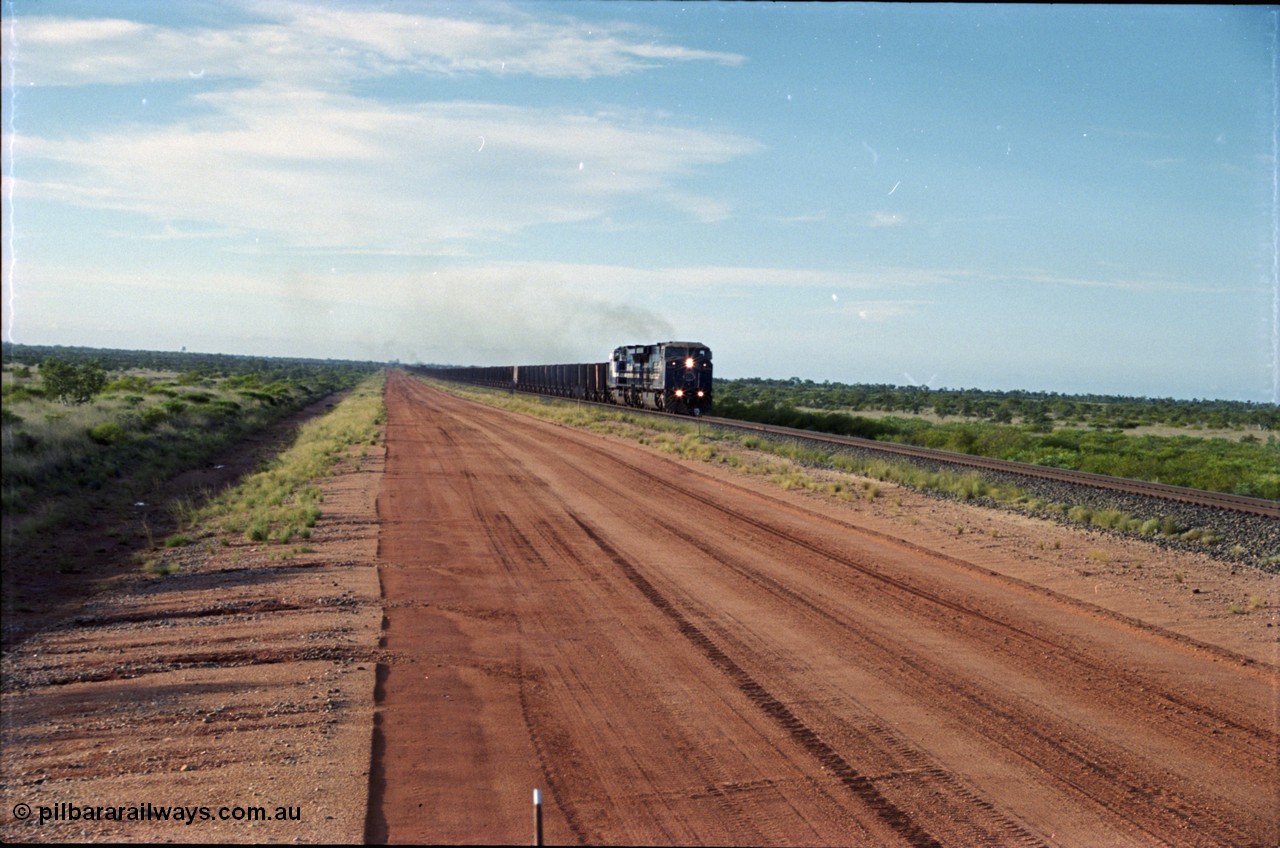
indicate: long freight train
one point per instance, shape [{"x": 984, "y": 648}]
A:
[{"x": 670, "y": 376}]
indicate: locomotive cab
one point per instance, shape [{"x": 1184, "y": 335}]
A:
[{"x": 687, "y": 378}]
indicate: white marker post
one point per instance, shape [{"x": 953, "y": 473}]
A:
[{"x": 537, "y": 817}]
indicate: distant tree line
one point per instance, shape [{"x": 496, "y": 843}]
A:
[
  {"x": 1042, "y": 410},
  {"x": 212, "y": 364}
]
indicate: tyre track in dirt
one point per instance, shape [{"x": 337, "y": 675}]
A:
[
  {"x": 671, "y": 823},
  {"x": 877, "y": 693},
  {"x": 864, "y": 789},
  {"x": 1081, "y": 762}
]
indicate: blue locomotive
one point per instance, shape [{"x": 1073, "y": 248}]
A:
[
  {"x": 666, "y": 376},
  {"x": 671, "y": 376}
]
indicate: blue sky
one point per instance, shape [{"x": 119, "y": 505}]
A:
[{"x": 1073, "y": 199}]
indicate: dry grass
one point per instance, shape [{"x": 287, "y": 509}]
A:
[{"x": 282, "y": 502}]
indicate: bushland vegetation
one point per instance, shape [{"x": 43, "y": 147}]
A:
[
  {"x": 1086, "y": 433},
  {"x": 146, "y": 417}
]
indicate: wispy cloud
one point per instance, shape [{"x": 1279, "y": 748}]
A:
[
  {"x": 1118, "y": 280},
  {"x": 727, "y": 278},
  {"x": 879, "y": 311},
  {"x": 346, "y": 173},
  {"x": 552, "y": 279},
  {"x": 886, "y": 219},
  {"x": 299, "y": 43},
  {"x": 804, "y": 218}
]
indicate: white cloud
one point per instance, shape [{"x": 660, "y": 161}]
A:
[
  {"x": 728, "y": 277},
  {"x": 886, "y": 219},
  {"x": 1118, "y": 280},
  {"x": 878, "y": 311},
  {"x": 803, "y": 218},
  {"x": 343, "y": 173},
  {"x": 321, "y": 43},
  {"x": 574, "y": 279}
]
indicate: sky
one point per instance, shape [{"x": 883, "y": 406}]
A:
[{"x": 1078, "y": 199}]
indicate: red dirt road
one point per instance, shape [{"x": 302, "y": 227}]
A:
[{"x": 676, "y": 659}]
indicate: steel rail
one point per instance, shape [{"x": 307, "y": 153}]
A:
[{"x": 1164, "y": 491}]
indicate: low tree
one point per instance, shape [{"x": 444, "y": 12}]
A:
[{"x": 72, "y": 384}]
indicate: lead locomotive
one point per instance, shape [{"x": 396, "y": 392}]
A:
[{"x": 672, "y": 376}]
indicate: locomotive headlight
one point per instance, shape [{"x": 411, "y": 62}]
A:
[
  {"x": 688, "y": 363},
  {"x": 679, "y": 392},
  {"x": 701, "y": 393}
]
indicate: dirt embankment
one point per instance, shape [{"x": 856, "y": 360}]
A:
[
  {"x": 50, "y": 574},
  {"x": 235, "y": 689}
]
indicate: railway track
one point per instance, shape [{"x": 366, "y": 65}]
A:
[
  {"x": 1178, "y": 494},
  {"x": 1143, "y": 488}
]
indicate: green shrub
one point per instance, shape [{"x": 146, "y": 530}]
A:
[
  {"x": 1080, "y": 514},
  {"x": 258, "y": 530},
  {"x": 130, "y": 383},
  {"x": 1111, "y": 519},
  {"x": 108, "y": 433},
  {"x": 18, "y": 394},
  {"x": 153, "y": 416},
  {"x": 971, "y": 486}
]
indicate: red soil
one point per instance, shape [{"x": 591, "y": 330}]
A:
[
  {"x": 676, "y": 656},
  {"x": 674, "y": 652}
]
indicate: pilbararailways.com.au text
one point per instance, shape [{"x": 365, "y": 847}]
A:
[{"x": 68, "y": 812}]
